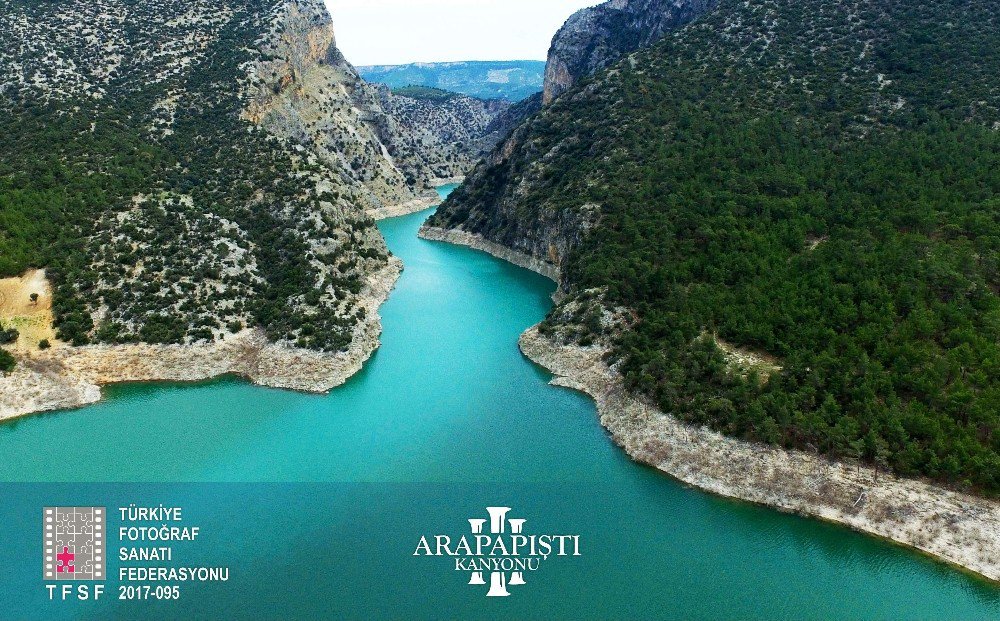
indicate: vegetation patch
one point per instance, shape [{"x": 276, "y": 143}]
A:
[{"x": 425, "y": 92}]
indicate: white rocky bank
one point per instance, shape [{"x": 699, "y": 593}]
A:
[
  {"x": 70, "y": 377},
  {"x": 472, "y": 240},
  {"x": 428, "y": 199},
  {"x": 959, "y": 528}
]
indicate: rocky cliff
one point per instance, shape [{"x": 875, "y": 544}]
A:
[
  {"x": 594, "y": 38},
  {"x": 192, "y": 171},
  {"x": 459, "y": 127},
  {"x": 391, "y": 148},
  {"x": 508, "y": 120}
]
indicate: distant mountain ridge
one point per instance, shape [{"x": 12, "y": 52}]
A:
[{"x": 513, "y": 79}]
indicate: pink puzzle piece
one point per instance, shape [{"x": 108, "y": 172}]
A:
[{"x": 65, "y": 559}]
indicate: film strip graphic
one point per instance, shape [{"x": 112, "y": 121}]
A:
[{"x": 74, "y": 543}]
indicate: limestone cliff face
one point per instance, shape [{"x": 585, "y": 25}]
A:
[
  {"x": 388, "y": 149},
  {"x": 450, "y": 134},
  {"x": 594, "y": 38}
]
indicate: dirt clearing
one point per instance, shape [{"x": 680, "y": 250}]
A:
[{"x": 31, "y": 318}]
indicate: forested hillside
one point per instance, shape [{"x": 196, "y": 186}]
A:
[
  {"x": 596, "y": 37},
  {"x": 815, "y": 183},
  {"x": 187, "y": 169},
  {"x": 128, "y": 171}
]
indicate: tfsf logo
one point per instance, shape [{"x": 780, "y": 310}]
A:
[
  {"x": 74, "y": 543},
  {"x": 507, "y": 553}
]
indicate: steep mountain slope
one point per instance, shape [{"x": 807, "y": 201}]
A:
[
  {"x": 510, "y": 119},
  {"x": 188, "y": 169},
  {"x": 461, "y": 123},
  {"x": 783, "y": 218},
  {"x": 513, "y": 80},
  {"x": 392, "y": 148},
  {"x": 594, "y": 38}
]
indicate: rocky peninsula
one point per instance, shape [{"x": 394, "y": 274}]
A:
[{"x": 65, "y": 377}]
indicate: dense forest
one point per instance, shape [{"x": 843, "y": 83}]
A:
[
  {"x": 150, "y": 201},
  {"x": 817, "y": 181}
]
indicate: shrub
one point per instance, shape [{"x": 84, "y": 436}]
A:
[
  {"x": 9, "y": 336},
  {"x": 7, "y": 362}
]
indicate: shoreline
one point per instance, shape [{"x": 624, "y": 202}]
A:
[
  {"x": 958, "y": 529},
  {"x": 478, "y": 242},
  {"x": 71, "y": 377},
  {"x": 425, "y": 201}
]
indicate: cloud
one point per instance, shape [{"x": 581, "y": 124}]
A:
[{"x": 402, "y": 31}]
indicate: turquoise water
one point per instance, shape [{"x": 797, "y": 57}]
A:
[{"x": 317, "y": 501}]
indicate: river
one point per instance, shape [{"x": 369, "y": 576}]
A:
[{"x": 316, "y": 503}]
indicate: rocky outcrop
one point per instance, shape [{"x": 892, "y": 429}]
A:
[
  {"x": 458, "y": 126},
  {"x": 958, "y": 528},
  {"x": 70, "y": 377},
  {"x": 594, "y": 38},
  {"x": 389, "y": 149}
]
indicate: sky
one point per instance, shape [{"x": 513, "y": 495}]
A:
[{"x": 390, "y": 32}]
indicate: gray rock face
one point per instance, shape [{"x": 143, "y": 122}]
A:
[
  {"x": 457, "y": 127},
  {"x": 593, "y": 39},
  {"x": 489, "y": 206},
  {"x": 389, "y": 149},
  {"x": 507, "y": 121}
]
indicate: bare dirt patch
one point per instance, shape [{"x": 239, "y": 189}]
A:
[
  {"x": 32, "y": 319},
  {"x": 745, "y": 360}
]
